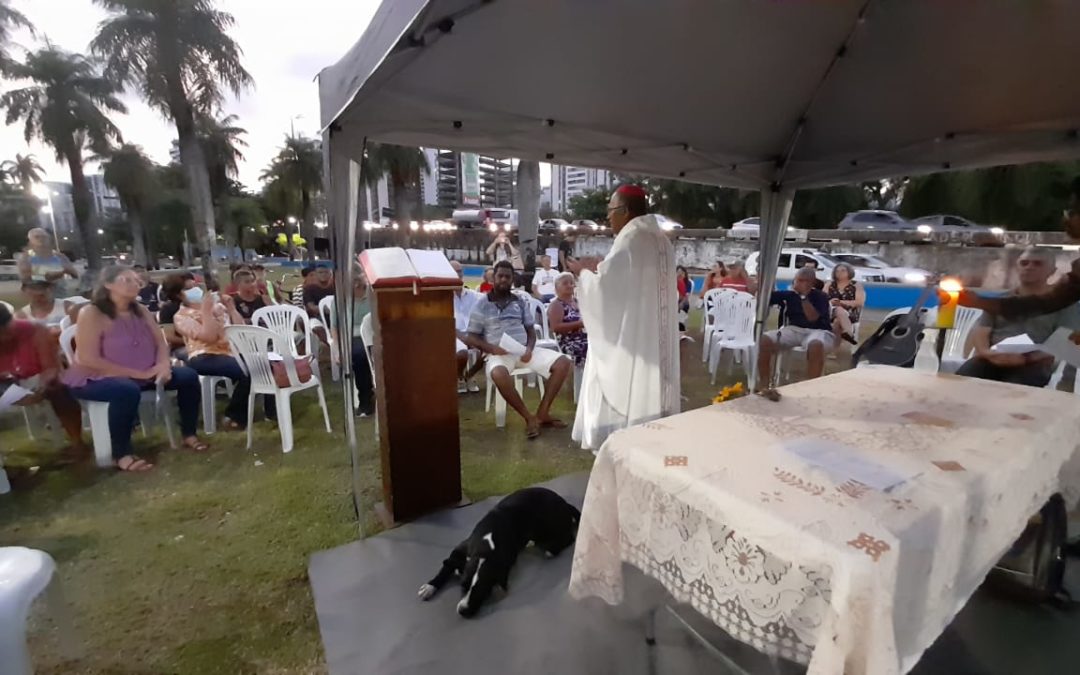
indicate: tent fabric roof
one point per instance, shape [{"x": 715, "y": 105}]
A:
[{"x": 746, "y": 93}]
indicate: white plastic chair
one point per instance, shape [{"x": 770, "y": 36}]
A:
[
  {"x": 24, "y": 574},
  {"x": 209, "y": 384},
  {"x": 712, "y": 299},
  {"x": 737, "y": 336},
  {"x": 283, "y": 319},
  {"x": 367, "y": 336},
  {"x": 544, "y": 337},
  {"x": 329, "y": 322},
  {"x": 98, "y": 411},
  {"x": 253, "y": 346},
  {"x": 956, "y": 340}
]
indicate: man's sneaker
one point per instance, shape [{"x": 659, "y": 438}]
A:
[
  {"x": 474, "y": 388},
  {"x": 461, "y": 388}
]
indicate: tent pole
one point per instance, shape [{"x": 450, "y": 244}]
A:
[
  {"x": 341, "y": 176},
  {"x": 775, "y": 209}
]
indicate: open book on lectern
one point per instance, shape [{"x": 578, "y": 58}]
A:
[{"x": 398, "y": 267}]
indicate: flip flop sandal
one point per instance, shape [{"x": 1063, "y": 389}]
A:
[
  {"x": 135, "y": 465},
  {"x": 770, "y": 394},
  {"x": 553, "y": 424},
  {"x": 532, "y": 434},
  {"x": 197, "y": 446}
]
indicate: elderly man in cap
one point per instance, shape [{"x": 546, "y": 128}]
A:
[{"x": 629, "y": 304}]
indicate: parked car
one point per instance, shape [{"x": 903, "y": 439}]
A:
[
  {"x": 944, "y": 223},
  {"x": 885, "y": 221},
  {"x": 667, "y": 223},
  {"x": 751, "y": 226},
  {"x": 899, "y": 275},
  {"x": 792, "y": 259},
  {"x": 9, "y": 269}
]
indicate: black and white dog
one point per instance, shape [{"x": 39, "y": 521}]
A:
[{"x": 484, "y": 559}]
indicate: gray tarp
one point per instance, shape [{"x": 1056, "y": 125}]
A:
[{"x": 762, "y": 94}]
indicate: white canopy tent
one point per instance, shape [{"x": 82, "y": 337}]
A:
[{"x": 759, "y": 94}]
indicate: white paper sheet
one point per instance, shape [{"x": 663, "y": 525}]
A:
[
  {"x": 1062, "y": 348},
  {"x": 845, "y": 463},
  {"x": 13, "y": 395},
  {"x": 1018, "y": 344},
  {"x": 511, "y": 345}
]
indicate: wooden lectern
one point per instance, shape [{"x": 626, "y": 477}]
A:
[{"x": 415, "y": 380}]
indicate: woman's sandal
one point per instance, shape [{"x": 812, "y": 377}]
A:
[
  {"x": 196, "y": 446},
  {"x": 232, "y": 425},
  {"x": 133, "y": 464}
]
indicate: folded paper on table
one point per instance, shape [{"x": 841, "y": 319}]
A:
[
  {"x": 12, "y": 395},
  {"x": 511, "y": 345},
  {"x": 845, "y": 463},
  {"x": 1018, "y": 344}
]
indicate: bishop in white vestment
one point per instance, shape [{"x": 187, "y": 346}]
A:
[{"x": 629, "y": 303}]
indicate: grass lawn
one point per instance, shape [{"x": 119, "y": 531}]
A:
[{"x": 200, "y": 565}]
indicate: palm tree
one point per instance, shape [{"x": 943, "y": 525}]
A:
[
  {"x": 298, "y": 168},
  {"x": 23, "y": 170},
  {"x": 403, "y": 166},
  {"x": 177, "y": 54},
  {"x": 131, "y": 173},
  {"x": 66, "y": 107},
  {"x": 10, "y": 19},
  {"x": 221, "y": 141}
]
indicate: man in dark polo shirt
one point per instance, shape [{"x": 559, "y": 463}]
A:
[{"x": 808, "y": 326}]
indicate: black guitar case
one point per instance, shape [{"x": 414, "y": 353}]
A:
[{"x": 896, "y": 341}]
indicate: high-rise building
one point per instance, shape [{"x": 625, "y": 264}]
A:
[
  {"x": 63, "y": 210},
  {"x": 106, "y": 203},
  {"x": 496, "y": 183},
  {"x": 568, "y": 182}
]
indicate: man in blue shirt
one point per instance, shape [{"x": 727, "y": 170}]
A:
[
  {"x": 807, "y": 325},
  {"x": 501, "y": 326}
]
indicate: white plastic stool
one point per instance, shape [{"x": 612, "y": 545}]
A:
[{"x": 24, "y": 574}]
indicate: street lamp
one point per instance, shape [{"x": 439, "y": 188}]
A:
[{"x": 42, "y": 191}]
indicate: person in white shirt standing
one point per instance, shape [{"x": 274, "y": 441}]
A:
[
  {"x": 543, "y": 284},
  {"x": 629, "y": 304},
  {"x": 465, "y": 300}
]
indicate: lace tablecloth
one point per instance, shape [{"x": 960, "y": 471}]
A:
[{"x": 798, "y": 560}]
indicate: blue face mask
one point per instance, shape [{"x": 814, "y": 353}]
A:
[{"x": 194, "y": 295}]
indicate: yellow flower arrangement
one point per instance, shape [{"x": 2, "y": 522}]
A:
[{"x": 728, "y": 393}]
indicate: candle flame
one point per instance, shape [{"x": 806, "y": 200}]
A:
[{"x": 951, "y": 285}]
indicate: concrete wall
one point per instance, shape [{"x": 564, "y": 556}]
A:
[{"x": 991, "y": 267}]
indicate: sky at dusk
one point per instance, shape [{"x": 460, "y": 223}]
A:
[{"x": 285, "y": 45}]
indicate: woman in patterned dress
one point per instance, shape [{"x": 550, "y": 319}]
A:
[
  {"x": 846, "y": 298},
  {"x": 564, "y": 317}
]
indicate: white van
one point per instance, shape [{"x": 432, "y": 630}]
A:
[{"x": 792, "y": 259}]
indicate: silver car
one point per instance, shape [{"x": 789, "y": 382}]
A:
[
  {"x": 883, "y": 221},
  {"x": 945, "y": 223}
]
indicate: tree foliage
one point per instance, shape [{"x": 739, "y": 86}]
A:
[
  {"x": 65, "y": 104},
  {"x": 402, "y": 167},
  {"x": 131, "y": 173},
  {"x": 24, "y": 171},
  {"x": 294, "y": 178},
  {"x": 1025, "y": 197},
  {"x": 590, "y": 205},
  {"x": 10, "y": 19}
]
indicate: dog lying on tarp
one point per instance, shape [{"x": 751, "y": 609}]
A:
[{"x": 485, "y": 558}]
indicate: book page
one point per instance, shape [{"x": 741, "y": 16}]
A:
[{"x": 431, "y": 265}]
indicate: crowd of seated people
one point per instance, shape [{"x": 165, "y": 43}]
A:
[{"x": 134, "y": 334}]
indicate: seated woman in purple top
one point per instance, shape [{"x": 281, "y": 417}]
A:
[{"x": 119, "y": 353}]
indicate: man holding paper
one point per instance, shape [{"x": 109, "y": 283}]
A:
[
  {"x": 501, "y": 326},
  {"x": 629, "y": 302},
  {"x": 999, "y": 352}
]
